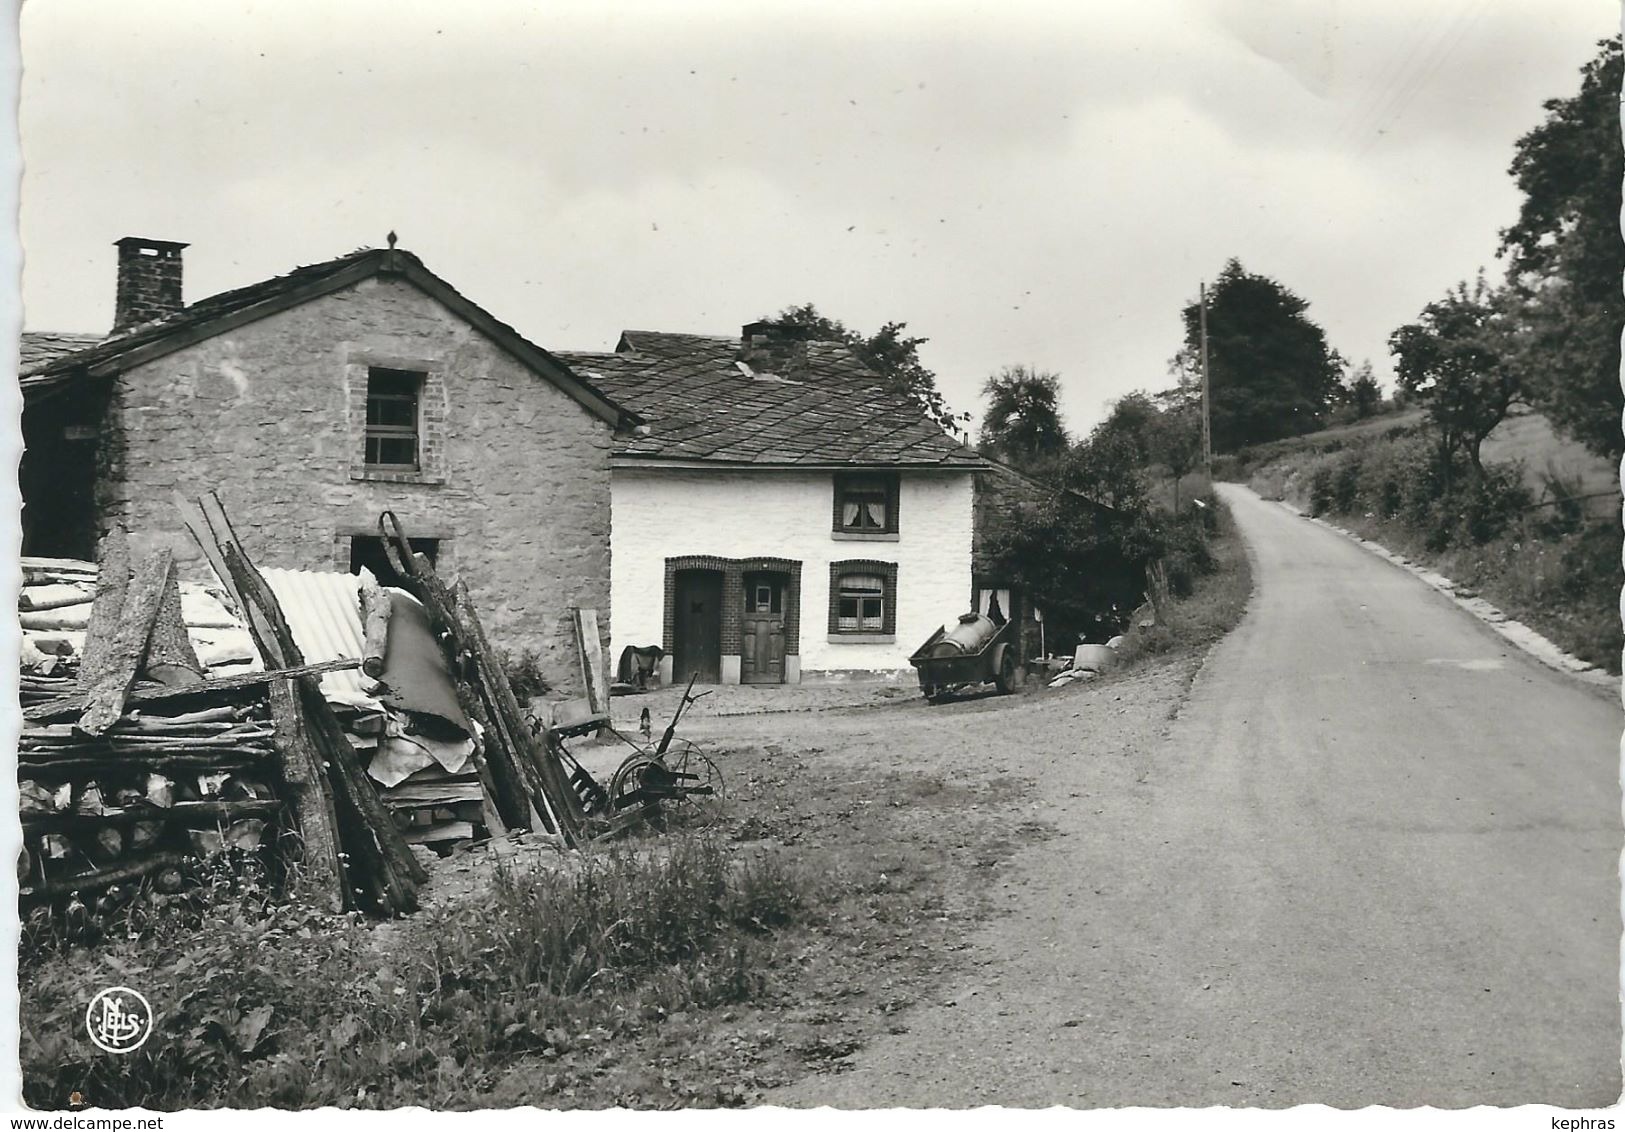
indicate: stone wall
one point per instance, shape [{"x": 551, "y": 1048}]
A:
[{"x": 515, "y": 482}]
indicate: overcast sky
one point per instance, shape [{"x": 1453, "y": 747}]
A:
[{"x": 1020, "y": 182}]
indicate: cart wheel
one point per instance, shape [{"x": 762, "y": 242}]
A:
[
  {"x": 626, "y": 786},
  {"x": 1005, "y": 681}
]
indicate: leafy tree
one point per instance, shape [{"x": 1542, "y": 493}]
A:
[
  {"x": 889, "y": 351},
  {"x": 1022, "y": 424},
  {"x": 1363, "y": 391},
  {"x": 1454, "y": 361},
  {"x": 1270, "y": 372},
  {"x": 1078, "y": 561},
  {"x": 1565, "y": 257},
  {"x": 1110, "y": 462},
  {"x": 1175, "y": 442}
]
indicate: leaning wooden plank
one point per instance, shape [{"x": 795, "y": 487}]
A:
[
  {"x": 590, "y": 655},
  {"x": 262, "y": 613},
  {"x": 112, "y": 683},
  {"x": 106, "y": 611},
  {"x": 375, "y": 609},
  {"x": 505, "y": 741},
  {"x": 312, "y": 799},
  {"x": 372, "y": 834},
  {"x": 69, "y": 706},
  {"x": 170, "y": 657},
  {"x": 334, "y": 745},
  {"x": 197, "y": 525},
  {"x": 561, "y": 799}
]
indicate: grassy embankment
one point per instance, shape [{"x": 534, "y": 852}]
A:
[
  {"x": 1539, "y": 538},
  {"x": 1208, "y": 589}
]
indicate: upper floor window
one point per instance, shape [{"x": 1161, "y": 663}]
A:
[
  {"x": 392, "y": 419},
  {"x": 866, "y": 504}
]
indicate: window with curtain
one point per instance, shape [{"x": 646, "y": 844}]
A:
[
  {"x": 866, "y": 504},
  {"x": 861, "y": 603}
]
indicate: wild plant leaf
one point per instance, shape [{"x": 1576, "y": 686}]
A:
[{"x": 250, "y": 1028}]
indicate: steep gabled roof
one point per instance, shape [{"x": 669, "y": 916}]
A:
[
  {"x": 220, "y": 313},
  {"x": 701, "y": 405}
]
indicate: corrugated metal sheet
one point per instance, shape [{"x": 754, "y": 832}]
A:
[{"x": 323, "y": 610}]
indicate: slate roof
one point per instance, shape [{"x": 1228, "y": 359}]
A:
[
  {"x": 218, "y": 313},
  {"x": 699, "y": 405},
  {"x": 37, "y": 348}
]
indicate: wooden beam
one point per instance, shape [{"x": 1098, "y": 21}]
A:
[
  {"x": 66, "y": 707},
  {"x": 108, "y": 687}
]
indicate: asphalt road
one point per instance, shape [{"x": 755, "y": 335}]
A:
[{"x": 1372, "y": 861}]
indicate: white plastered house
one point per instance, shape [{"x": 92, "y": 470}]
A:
[{"x": 784, "y": 515}]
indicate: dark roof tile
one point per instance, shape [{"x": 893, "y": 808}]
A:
[
  {"x": 39, "y": 348},
  {"x": 699, "y": 405}
]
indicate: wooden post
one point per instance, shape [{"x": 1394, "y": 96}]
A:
[
  {"x": 312, "y": 799},
  {"x": 1207, "y": 420}
]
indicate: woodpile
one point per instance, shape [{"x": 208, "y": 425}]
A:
[
  {"x": 165, "y": 720},
  {"x": 130, "y": 758}
]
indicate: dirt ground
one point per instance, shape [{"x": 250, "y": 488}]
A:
[{"x": 918, "y": 823}]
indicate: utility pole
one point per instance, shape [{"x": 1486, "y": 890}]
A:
[{"x": 1207, "y": 420}]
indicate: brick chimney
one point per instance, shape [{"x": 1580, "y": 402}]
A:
[
  {"x": 773, "y": 348},
  {"x": 149, "y": 281}
]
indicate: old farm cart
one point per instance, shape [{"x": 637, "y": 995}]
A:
[{"x": 976, "y": 650}]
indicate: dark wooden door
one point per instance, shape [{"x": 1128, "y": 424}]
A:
[
  {"x": 697, "y": 628},
  {"x": 762, "y": 630}
]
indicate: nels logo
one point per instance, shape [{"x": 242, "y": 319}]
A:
[{"x": 119, "y": 1020}]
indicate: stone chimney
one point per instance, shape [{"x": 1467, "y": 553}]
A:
[
  {"x": 149, "y": 281},
  {"x": 771, "y": 348}
]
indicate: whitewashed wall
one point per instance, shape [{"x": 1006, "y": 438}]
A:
[{"x": 663, "y": 513}]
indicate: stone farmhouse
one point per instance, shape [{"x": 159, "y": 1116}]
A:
[
  {"x": 763, "y": 509},
  {"x": 786, "y": 515},
  {"x": 310, "y": 403}
]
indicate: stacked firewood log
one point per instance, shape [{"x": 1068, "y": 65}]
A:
[
  {"x": 134, "y": 759},
  {"x": 149, "y": 737}
]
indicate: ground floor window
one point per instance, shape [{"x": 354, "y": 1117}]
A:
[
  {"x": 862, "y": 603},
  {"x": 863, "y": 598},
  {"x": 368, "y": 551}
]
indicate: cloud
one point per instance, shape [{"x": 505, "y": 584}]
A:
[{"x": 1042, "y": 183}]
